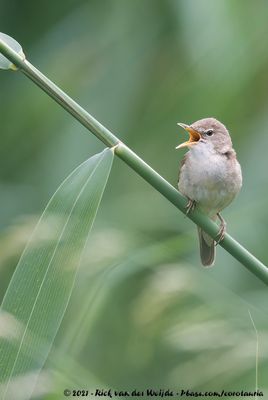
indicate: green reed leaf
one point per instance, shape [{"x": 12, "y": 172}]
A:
[
  {"x": 40, "y": 289},
  {"x": 4, "y": 62}
]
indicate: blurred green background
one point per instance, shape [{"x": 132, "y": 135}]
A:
[{"x": 143, "y": 313}]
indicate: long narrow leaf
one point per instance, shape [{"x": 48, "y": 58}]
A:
[{"x": 39, "y": 291}]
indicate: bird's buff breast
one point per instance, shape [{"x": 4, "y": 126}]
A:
[{"x": 211, "y": 179}]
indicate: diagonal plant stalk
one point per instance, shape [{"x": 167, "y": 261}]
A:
[{"x": 134, "y": 161}]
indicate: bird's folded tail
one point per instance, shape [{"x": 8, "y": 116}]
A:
[{"x": 207, "y": 248}]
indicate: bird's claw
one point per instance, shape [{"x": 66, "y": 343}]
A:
[
  {"x": 190, "y": 206},
  {"x": 222, "y": 230}
]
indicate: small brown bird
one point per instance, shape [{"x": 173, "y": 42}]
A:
[{"x": 210, "y": 176}]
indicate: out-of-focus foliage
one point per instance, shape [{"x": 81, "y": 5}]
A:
[{"x": 143, "y": 313}]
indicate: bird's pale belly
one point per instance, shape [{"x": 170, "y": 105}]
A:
[
  {"x": 210, "y": 200},
  {"x": 210, "y": 184}
]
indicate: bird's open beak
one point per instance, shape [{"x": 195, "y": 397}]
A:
[{"x": 194, "y": 136}]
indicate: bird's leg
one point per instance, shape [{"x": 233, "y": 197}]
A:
[
  {"x": 222, "y": 229},
  {"x": 190, "y": 206}
]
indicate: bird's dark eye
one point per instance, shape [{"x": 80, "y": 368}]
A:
[{"x": 209, "y": 132}]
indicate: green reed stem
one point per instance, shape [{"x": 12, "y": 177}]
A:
[{"x": 135, "y": 162}]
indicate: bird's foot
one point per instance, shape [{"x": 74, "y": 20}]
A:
[
  {"x": 190, "y": 206},
  {"x": 222, "y": 230}
]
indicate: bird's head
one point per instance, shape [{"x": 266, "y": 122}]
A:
[{"x": 207, "y": 131}]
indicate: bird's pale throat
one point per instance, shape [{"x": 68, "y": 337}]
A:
[{"x": 194, "y": 136}]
